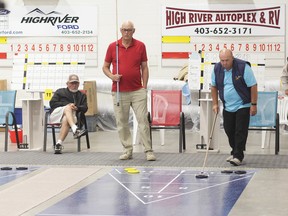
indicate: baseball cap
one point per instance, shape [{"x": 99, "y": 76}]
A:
[{"x": 73, "y": 78}]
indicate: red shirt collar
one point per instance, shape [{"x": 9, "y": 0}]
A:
[{"x": 121, "y": 44}]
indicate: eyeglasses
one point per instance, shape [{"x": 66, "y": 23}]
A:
[{"x": 126, "y": 30}]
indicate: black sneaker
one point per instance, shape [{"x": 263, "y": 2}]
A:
[
  {"x": 58, "y": 149},
  {"x": 79, "y": 133}
]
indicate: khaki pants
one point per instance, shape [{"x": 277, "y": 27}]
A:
[{"x": 138, "y": 101}]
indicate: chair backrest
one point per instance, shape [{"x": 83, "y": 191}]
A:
[
  {"x": 166, "y": 106},
  {"x": 283, "y": 110},
  {"x": 7, "y": 104},
  {"x": 266, "y": 110}
]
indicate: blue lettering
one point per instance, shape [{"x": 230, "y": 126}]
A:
[{"x": 67, "y": 26}]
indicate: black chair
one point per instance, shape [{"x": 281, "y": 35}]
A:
[{"x": 81, "y": 123}]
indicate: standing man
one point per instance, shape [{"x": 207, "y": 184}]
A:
[
  {"x": 129, "y": 55},
  {"x": 65, "y": 104},
  {"x": 234, "y": 80}
]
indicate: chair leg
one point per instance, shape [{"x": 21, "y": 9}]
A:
[
  {"x": 16, "y": 129},
  {"x": 7, "y": 129},
  {"x": 277, "y": 140},
  {"x": 79, "y": 144},
  {"x": 180, "y": 138},
  {"x": 184, "y": 138},
  {"x": 53, "y": 136},
  {"x": 45, "y": 133},
  {"x": 150, "y": 128},
  {"x": 87, "y": 141},
  {"x": 87, "y": 136},
  {"x": 6, "y": 138},
  {"x": 162, "y": 136},
  {"x": 80, "y": 117},
  {"x": 182, "y": 142},
  {"x": 45, "y": 139},
  {"x": 135, "y": 129},
  {"x": 183, "y": 131},
  {"x": 263, "y": 139}
]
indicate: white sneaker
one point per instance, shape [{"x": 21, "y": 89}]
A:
[
  {"x": 125, "y": 156},
  {"x": 229, "y": 158},
  {"x": 235, "y": 162},
  {"x": 150, "y": 156}
]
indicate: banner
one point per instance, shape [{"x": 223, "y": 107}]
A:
[
  {"x": 224, "y": 20},
  {"x": 46, "y": 21}
]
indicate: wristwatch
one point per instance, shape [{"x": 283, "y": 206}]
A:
[{"x": 254, "y": 104}]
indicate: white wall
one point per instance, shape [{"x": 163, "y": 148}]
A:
[{"x": 146, "y": 16}]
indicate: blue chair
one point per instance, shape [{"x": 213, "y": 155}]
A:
[
  {"x": 267, "y": 118},
  {"x": 7, "y": 108}
]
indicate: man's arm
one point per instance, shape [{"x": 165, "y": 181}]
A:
[
  {"x": 254, "y": 98},
  {"x": 108, "y": 73},
  {"x": 145, "y": 74},
  {"x": 106, "y": 69}
]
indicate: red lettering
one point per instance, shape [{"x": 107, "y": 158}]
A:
[
  {"x": 175, "y": 18},
  {"x": 274, "y": 17},
  {"x": 197, "y": 17}
]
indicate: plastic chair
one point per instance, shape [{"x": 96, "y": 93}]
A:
[
  {"x": 267, "y": 118},
  {"x": 283, "y": 110},
  {"x": 7, "y": 108},
  {"x": 166, "y": 113}
]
